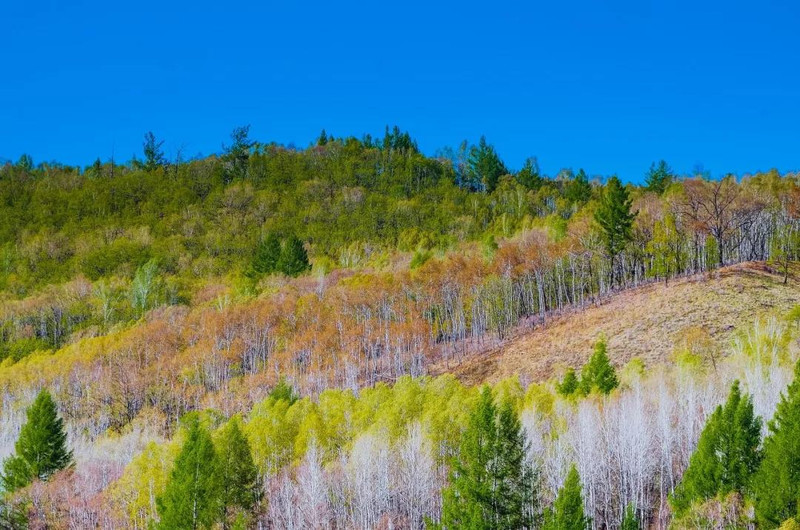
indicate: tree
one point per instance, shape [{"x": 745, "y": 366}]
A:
[
  {"x": 294, "y": 258},
  {"x": 776, "y": 486},
  {"x": 727, "y": 454},
  {"x": 570, "y": 384},
  {"x": 568, "y": 512},
  {"x": 629, "y": 520},
  {"x": 529, "y": 176},
  {"x": 238, "y": 476},
  {"x": 598, "y": 374},
  {"x": 665, "y": 247},
  {"x": 577, "y": 190},
  {"x": 153, "y": 154},
  {"x": 237, "y": 155},
  {"x": 491, "y": 482},
  {"x": 659, "y": 177},
  {"x": 41, "y": 449},
  {"x": 485, "y": 165},
  {"x": 267, "y": 255},
  {"x": 191, "y": 499},
  {"x": 615, "y": 218}
]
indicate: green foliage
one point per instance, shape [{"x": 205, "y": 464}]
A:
[
  {"x": 267, "y": 255},
  {"x": 659, "y": 177},
  {"x": 237, "y": 154},
  {"x": 143, "y": 287},
  {"x": 567, "y": 512},
  {"x": 283, "y": 391},
  {"x": 191, "y": 499},
  {"x": 41, "y": 448},
  {"x": 570, "y": 384},
  {"x": 293, "y": 260},
  {"x": 615, "y": 218},
  {"x": 485, "y": 165},
  {"x": 598, "y": 375},
  {"x": 712, "y": 253},
  {"x": 665, "y": 247},
  {"x": 629, "y": 519},
  {"x": 577, "y": 190},
  {"x": 153, "y": 154},
  {"x": 238, "y": 476},
  {"x": 776, "y": 486},
  {"x": 529, "y": 176},
  {"x": 727, "y": 454},
  {"x": 491, "y": 483}
]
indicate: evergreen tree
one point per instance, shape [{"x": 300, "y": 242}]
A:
[
  {"x": 776, "y": 486},
  {"x": 238, "y": 476},
  {"x": 267, "y": 255},
  {"x": 191, "y": 499},
  {"x": 615, "y": 219},
  {"x": 578, "y": 190},
  {"x": 294, "y": 258},
  {"x": 570, "y": 384},
  {"x": 529, "y": 175},
  {"x": 153, "y": 154},
  {"x": 516, "y": 499},
  {"x": 567, "y": 512},
  {"x": 598, "y": 374},
  {"x": 727, "y": 454},
  {"x": 486, "y": 165},
  {"x": 323, "y": 138},
  {"x": 41, "y": 448},
  {"x": 659, "y": 177},
  {"x": 629, "y": 520},
  {"x": 237, "y": 155}
]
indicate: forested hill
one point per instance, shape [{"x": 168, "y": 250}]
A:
[{"x": 292, "y": 302}]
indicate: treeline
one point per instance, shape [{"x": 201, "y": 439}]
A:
[{"x": 660, "y": 449}]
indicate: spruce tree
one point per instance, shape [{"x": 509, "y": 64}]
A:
[
  {"x": 191, "y": 499},
  {"x": 267, "y": 255},
  {"x": 529, "y": 176},
  {"x": 567, "y": 512},
  {"x": 486, "y": 165},
  {"x": 238, "y": 476},
  {"x": 598, "y": 374},
  {"x": 570, "y": 384},
  {"x": 776, "y": 486},
  {"x": 659, "y": 177},
  {"x": 41, "y": 448},
  {"x": 294, "y": 258},
  {"x": 615, "y": 218},
  {"x": 153, "y": 154},
  {"x": 727, "y": 454},
  {"x": 516, "y": 499},
  {"x": 578, "y": 190}
]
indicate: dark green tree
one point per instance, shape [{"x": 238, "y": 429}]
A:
[
  {"x": 529, "y": 176},
  {"x": 727, "y": 454},
  {"x": 598, "y": 374},
  {"x": 191, "y": 499},
  {"x": 659, "y": 177},
  {"x": 238, "y": 476},
  {"x": 485, "y": 165},
  {"x": 323, "y": 138},
  {"x": 615, "y": 218},
  {"x": 267, "y": 255},
  {"x": 577, "y": 189},
  {"x": 283, "y": 391},
  {"x": 516, "y": 504},
  {"x": 153, "y": 154},
  {"x": 294, "y": 258},
  {"x": 41, "y": 448},
  {"x": 629, "y": 520},
  {"x": 568, "y": 512},
  {"x": 776, "y": 486},
  {"x": 237, "y": 155}
]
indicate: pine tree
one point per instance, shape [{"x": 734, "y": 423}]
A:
[
  {"x": 237, "y": 155},
  {"x": 294, "y": 258},
  {"x": 516, "y": 499},
  {"x": 529, "y": 176},
  {"x": 238, "y": 476},
  {"x": 659, "y": 177},
  {"x": 598, "y": 374},
  {"x": 486, "y": 165},
  {"x": 153, "y": 154},
  {"x": 615, "y": 218},
  {"x": 727, "y": 454},
  {"x": 776, "y": 486},
  {"x": 267, "y": 255},
  {"x": 570, "y": 384},
  {"x": 578, "y": 190},
  {"x": 191, "y": 499},
  {"x": 567, "y": 512},
  {"x": 41, "y": 448},
  {"x": 629, "y": 520}
]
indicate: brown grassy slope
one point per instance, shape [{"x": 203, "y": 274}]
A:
[{"x": 645, "y": 322}]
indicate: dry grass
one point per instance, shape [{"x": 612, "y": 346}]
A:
[{"x": 646, "y": 322}]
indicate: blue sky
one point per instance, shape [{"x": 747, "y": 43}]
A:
[{"x": 608, "y": 85}]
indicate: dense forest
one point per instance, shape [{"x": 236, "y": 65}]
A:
[{"x": 245, "y": 340}]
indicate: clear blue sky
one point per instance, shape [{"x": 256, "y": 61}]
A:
[{"x": 608, "y": 85}]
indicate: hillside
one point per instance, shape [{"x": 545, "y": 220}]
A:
[{"x": 646, "y": 322}]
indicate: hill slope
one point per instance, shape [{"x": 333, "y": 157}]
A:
[{"x": 645, "y": 322}]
